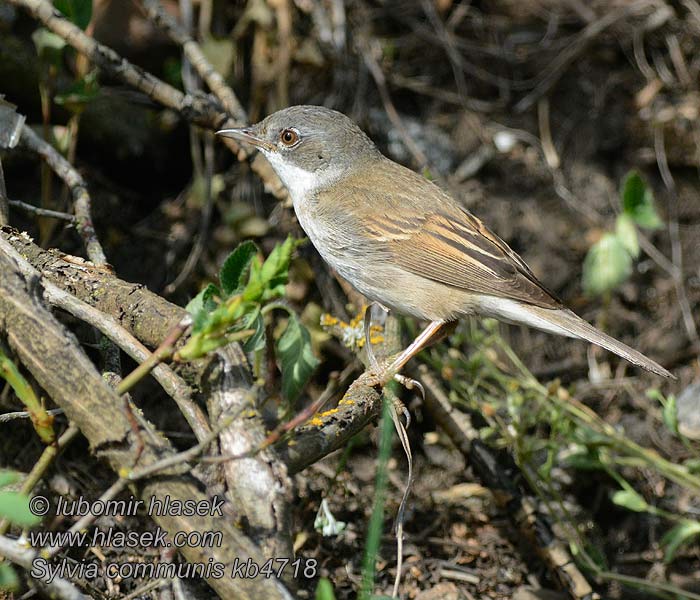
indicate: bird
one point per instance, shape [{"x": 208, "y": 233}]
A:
[{"x": 401, "y": 240}]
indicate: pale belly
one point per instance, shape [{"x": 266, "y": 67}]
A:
[{"x": 372, "y": 273}]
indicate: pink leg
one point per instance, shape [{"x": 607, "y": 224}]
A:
[{"x": 414, "y": 348}]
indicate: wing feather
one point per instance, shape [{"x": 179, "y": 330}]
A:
[{"x": 458, "y": 250}]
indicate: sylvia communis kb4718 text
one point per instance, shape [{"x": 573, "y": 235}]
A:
[{"x": 401, "y": 240}]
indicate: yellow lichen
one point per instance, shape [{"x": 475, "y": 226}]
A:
[
  {"x": 328, "y": 413},
  {"x": 328, "y": 320}
]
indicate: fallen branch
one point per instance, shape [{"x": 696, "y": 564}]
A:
[{"x": 54, "y": 358}]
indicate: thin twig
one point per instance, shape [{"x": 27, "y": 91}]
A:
[
  {"x": 23, "y": 414},
  {"x": 447, "y": 39},
  {"x": 201, "y": 238},
  {"x": 163, "y": 352},
  {"x": 369, "y": 49},
  {"x": 401, "y": 512},
  {"x": 676, "y": 250},
  {"x": 41, "y": 212},
  {"x": 203, "y": 169},
  {"x": 81, "y": 199},
  {"x": 283, "y": 58},
  {"x": 550, "y": 152},
  {"x": 558, "y": 66}
]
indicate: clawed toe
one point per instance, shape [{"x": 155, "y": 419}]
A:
[
  {"x": 410, "y": 383},
  {"x": 379, "y": 378}
]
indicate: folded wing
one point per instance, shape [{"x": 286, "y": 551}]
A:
[{"x": 453, "y": 247}]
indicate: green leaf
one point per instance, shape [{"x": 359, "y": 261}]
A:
[
  {"x": 275, "y": 270},
  {"x": 585, "y": 459},
  {"x": 670, "y": 414},
  {"x": 324, "y": 590},
  {"x": 80, "y": 93},
  {"x": 205, "y": 299},
  {"x": 607, "y": 265},
  {"x": 297, "y": 361},
  {"x": 630, "y": 500},
  {"x": 8, "y": 578},
  {"x": 638, "y": 202},
  {"x": 78, "y": 12},
  {"x": 626, "y": 232},
  {"x": 257, "y": 340},
  {"x": 9, "y": 477},
  {"x": 693, "y": 465},
  {"x": 678, "y": 535},
  {"x": 235, "y": 266},
  {"x": 202, "y": 305},
  {"x": 15, "y": 507},
  {"x": 49, "y": 46}
]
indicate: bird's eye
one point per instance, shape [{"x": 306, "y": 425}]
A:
[{"x": 289, "y": 137}]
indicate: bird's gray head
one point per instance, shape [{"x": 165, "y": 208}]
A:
[{"x": 307, "y": 146}]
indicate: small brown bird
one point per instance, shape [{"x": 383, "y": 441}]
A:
[{"x": 400, "y": 239}]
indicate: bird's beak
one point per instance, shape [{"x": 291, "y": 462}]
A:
[{"x": 246, "y": 136}]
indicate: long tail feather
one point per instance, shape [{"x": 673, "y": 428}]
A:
[{"x": 575, "y": 325}]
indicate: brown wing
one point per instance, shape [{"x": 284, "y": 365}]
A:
[{"x": 455, "y": 248}]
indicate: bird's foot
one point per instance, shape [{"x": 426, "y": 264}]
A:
[{"x": 379, "y": 377}]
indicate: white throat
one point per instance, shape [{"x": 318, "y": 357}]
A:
[{"x": 298, "y": 181}]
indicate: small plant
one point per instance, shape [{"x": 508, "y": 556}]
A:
[
  {"x": 14, "y": 507},
  {"x": 41, "y": 420},
  {"x": 608, "y": 263},
  {"x": 235, "y": 311}
]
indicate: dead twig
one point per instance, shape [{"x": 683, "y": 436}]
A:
[
  {"x": 58, "y": 364},
  {"x": 148, "y": 317},
  {"x": 193, "y": 52},
  {"x": 370, "y": 50},
  {"x": 676, "y": 250},
  {"x": 41, "y": 212},
  {"x": 550, "y": 152},
  {"x": 553, "y": 72},
  {"x": 201, "y": 110},
  {"x": 81, "y": 199}
]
